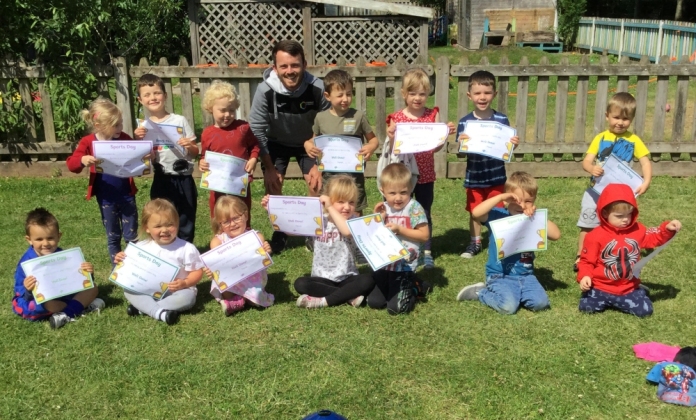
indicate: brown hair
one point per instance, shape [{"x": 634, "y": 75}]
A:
[
  {"x": 341, "y": 187},
  {"x": 617, "y": 206},
  {"x": 218, "y": 90},
  {"x": 289, "y": 46},
  {"x": 415, "y": 79},
  {"x": 482, "y": 77},
  {"x": 101, "y": 112},
  {"x": 338, "y": 79},
  {"x": 625, "y": 103},
  {"x": 150, "y": 80},
  {"x": 161, "y": 207},
  {"x": 523, "y": 181},
  {"x": 395, "y": 174},
  {"x": 40, "y": 217},
  {"x": 226, "y": 207}
]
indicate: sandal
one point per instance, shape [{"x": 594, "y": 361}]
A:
[{"x": 575, "y": 265}]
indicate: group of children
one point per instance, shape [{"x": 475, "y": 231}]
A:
[{"x": 610, "y": 244}]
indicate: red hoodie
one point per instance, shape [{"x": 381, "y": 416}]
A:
[{"x": 609, "y": 253}]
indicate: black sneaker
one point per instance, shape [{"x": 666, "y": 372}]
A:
[
  {"x": 473, "y": 249},
  {"x": 422, "y": 287},
  {"x": 278, "y": 242},
  {"x": 132, "y": 311},
  {"x": 309, "y": 244},
  {"x": 170, "y": 317}
]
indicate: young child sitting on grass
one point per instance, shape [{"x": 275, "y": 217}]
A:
[
  {"x": 510, "y": 282},
  {"x": 610, "y": 251},
  {"x": 43, "y": 235}
]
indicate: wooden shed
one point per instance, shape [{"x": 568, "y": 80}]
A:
[
  {"x": 470, "y": 15},
  {"x": 330, "y": 30}
]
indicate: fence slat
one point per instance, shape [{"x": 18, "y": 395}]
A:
[
  {"x": 542, "y": 101},
  {"x": 442, "y": 67},
  {"x": 522, "y": 95},
  {"x": 27, "y": 109},
  {"x": 169, "y": 100},
  {"x": 601, "y": 100},
  {"x": 46, "y": 113},
  {"x": 203, "y": 85},
  {"x": 503, "y": 88},
  {"x": 123, "y": 93},
  {"x": 581, "y": 105},
  {"x": 561, "y": 105},
  {"x": 658, "y": 133},
  {"x": 186, "y": 95},
  {"x": 381, "y": 107},
  {"x": 622, "y": 80},
  {"x": 462, "y": 89},
  {"x": 245, "y": 92},
  {"x": 641, "y": 100},
  {"x": 680, "y": 106}
]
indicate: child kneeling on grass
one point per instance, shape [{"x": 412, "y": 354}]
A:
[
  {"x": 609, "y": 252},
  {"x": 43, "y": 235},
  {"x": 510, "y": 282},
  {"x": 158, "y": 231}
]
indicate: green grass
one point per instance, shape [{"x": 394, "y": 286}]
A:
[{"x": 445, "y": 360}]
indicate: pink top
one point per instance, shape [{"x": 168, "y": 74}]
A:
[{"x": 425, "y": 160}]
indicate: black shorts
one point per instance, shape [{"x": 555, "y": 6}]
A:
[{"x": 280, "y": 156}]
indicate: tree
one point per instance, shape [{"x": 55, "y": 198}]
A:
[{"x": 569, "y": 14}]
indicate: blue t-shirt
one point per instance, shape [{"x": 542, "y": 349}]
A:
[
  {"x": 483, "y": 171},
  {"x": 675, "y": 383},
  {"x": 521, "y": 264}
]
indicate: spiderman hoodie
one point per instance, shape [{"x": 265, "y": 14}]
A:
[{"x": 609, "y": 253}]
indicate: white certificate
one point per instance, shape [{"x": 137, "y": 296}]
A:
[
  {"x": 520, "y": 233},
  {"x": 378, "y": 244},
  {"x": 163, "y": 135},
  {"x": 339, "y": 154},
  {"x": 488, "y": 138},
  {"x": 143, "y": 273},
  {"x": 419, "y": 137},
  {"x": 122, "y": 158},
  {"x": 58, "y": 274},
  {"x": 616, "y": 172},
  {"x": 226, "y": 174},
  {"x": 300, "y": 216},
  {"x": 236, "y": 260}
]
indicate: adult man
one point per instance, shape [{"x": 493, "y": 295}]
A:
[{"x": 281, "y": 117}]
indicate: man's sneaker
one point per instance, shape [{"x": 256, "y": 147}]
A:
[
  {"x": 170, "y": 317},
  {"x": 473, "y": 249},
  {"x": 428, "y": 260},
  {"x": 357, "y": 301},
  {"x": 132, "y": 311},
  {"x": 306, "y": 301},
  {"x": 278, "y": 242},
  {"x": 471, "y": 292},
  {"x": 59, "y": 319},
  {"x": 96, "y": 305},
  {"x": 309, "y": 244}
]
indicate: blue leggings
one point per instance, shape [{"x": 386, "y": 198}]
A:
[
  {"x": 120, "y": 220},
  {"x": 635, "y": 303}
]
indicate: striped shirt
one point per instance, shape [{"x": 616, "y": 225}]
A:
[{"x": 482, "y": 171}]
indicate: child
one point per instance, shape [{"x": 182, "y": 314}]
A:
[
  {"x": 115, "y": 196},
  {"x": 510, "y": 282},
  {"x": 173, "y": 168},
  {"x": 485, "y": 176},
  {"x": 675, "y": 380},
  {"x": 228, "y": 136},
  {"x": 396, "y": 285},
  {"x": 158, "y": 232},
  {"x": 624, "y": 145},
  {"x": 229, "y": 221},
  {"x": 415, "y": 88},
  {"x": 335, "y": 279},
  {"x": 43, "y": 235},
  {"x": 605, "y": 270}
]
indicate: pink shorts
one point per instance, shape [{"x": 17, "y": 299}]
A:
[{"x": 476, "y": 196}]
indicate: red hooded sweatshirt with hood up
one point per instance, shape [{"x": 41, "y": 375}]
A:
[{"x": 609, "y": 253}]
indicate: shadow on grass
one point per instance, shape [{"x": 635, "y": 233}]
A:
[
  {"x": 279, "y": 286},
  {"x": 661, "y": 291},
  {"x": 454, "y": 241},
  {"x": 545, "y": 277},
  {"x": 434, "y": 276},
  {"x": 111, "y": 294}
]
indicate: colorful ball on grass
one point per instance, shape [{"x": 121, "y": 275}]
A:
[{"x": 325, "y": 415}]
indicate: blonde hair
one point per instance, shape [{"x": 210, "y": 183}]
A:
[
  {"x": 341, "y": 188},
  {"x": 163, "y": 208},
  {"x": 617, "y": 206},
  {"x": 415, "y": 79},
  {"x": 625, "y": 103},
  {"x": 523, "y": 181},
  {"x": 226, "y": 207},
  {"x": 101, "y": 112},
  {"x": 219, "y": 90},
  {"x": 395, "y": 174}
]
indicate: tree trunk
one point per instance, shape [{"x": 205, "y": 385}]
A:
[{"x": 680, "y": 10}]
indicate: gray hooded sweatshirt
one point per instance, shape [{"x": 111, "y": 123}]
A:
[{"x": 283, "y": 117}]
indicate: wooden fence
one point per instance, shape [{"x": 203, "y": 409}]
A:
[
  {"x": 552, "y": 150},
  {"x": 638, "y": 37}
]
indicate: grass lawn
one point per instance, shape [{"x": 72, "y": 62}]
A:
[{"x": 447, "y": 359}]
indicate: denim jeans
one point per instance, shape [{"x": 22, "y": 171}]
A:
[{"x": 506, "y": 294}]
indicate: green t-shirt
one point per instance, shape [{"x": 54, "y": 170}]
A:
[{"x": 352, "y": 123}]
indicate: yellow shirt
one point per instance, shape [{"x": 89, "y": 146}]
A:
[{"x": 606, "y": 138}]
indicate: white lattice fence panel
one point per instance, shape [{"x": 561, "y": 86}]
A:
[
  {"x": 376, "y": 38},
  {"x": 249, "y": 30}
]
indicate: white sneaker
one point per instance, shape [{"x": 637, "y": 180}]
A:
[
  {"x": 96, "y": 305},
  {"x": 306, "y": 301},
  {"x": 59, "y": 319},
  {"x": 357, "y": 301},
  {"x": 471, "y": 292}
]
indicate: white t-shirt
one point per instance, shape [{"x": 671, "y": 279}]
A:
[
  {"x": 334, "y": 254},
  {"x": 180, "y": 253},
  {"x": 166, "y": 156},
  {"x": 409, "y": 217}
]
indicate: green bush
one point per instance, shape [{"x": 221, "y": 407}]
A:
[{"x": 569, "y": 14}]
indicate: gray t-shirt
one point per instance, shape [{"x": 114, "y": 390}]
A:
[
  {"x": 334, "y": 254},
  {"x": 167, "y": 156},
  {"x": 352, "y": 123}
]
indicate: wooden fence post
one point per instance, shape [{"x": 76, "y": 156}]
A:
[
  {"x": 123, "y": 93},
  {"x": 442, "y": 72}
]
